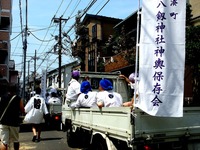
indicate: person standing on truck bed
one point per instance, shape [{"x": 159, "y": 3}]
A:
[
  {"x": 54, "y": 99},
  {"x": 106, "y": 97},
  {"x": 87, "y": 98},
  {"x": 73, "y": 90}
]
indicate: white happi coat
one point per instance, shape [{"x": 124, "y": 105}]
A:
[
  {"x": 73, "y": 90},
  {"x": 54, "y": 100},
  {"x": 109, "y": 98},
  {"x": 86, "y": 100},
  {"x": 35, "y": 109}
]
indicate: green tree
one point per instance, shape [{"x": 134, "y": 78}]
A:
[{"x": 193, "y": 52}]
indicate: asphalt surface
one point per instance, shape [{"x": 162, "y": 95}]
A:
[{"x": 50, "y": 139}]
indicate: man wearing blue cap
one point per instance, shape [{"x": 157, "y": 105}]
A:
[
  {"x": 106, "y": 97},
  {"x": 73, "y": 89},
  {"x": 87, "y": 98}
]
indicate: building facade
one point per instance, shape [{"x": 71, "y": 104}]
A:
[
  {"x": 90, "y": 46},
  {"x": 5, "y": 30},
  {"x": 124, "y": 46},
  {"x": 8, "y": 74},
  {"x": 52, "y": 76},
  {"x": 195, "y": 11}
]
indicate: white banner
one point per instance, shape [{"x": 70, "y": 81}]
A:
[
  {"x": 162, "y": 58},
  {"x": 43, "y": 83}
]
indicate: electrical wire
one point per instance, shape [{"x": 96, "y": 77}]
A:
[
  {"x": 103, "y": 7},
  {"x": 90, "y": 4},
  {"x": 40, "y": 39},
  {"x": 54, "y": 15},
  {"x": 67, "y": 8},
  {"x": 42, "y": 28},
  {"x": 46, "y": 35},
  {"x": 70, "y": 16},
  {"x": 16, "y": 36}
]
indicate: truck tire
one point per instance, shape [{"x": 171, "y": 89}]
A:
[
  {"x": 98, "y": 143},
  {"x": 71, "y": 139}
]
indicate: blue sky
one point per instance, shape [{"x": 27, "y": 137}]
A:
[{"x": 40, "y": 14}]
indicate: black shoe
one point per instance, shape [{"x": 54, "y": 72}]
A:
[
  {"x": 38, "y": 140},
  {"x": 34, "y": 138}
]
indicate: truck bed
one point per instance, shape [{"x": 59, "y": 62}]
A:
[
  {"x": 124, "y": 124},
  {"x": 112, "y": 121},
  {"x": 168, "y": 128}
]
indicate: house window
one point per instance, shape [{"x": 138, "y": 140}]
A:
[
  {"x": 94, "y": 31},
  {"x": 91, "y": 61},
  {"x": 5, "y": 23},
  {"x": 50, "y": 81}
]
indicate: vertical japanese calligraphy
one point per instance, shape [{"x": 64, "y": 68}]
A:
[
  {"x": 43, "y": 83},
  {"x": 162, "y": 57}
]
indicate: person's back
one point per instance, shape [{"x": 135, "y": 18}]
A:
[
  {"x": 11, "y": 117},
  {"x": 36, "y": 109},
  {"x": 106, "y": 97},
  {"x": 54, "y": 99},
  {"x": 37, "y": 103},
  {"x": 86, "y": 100},
  {"x": 11, "y": 106},
  {"x": 110, "y": 98},
  {"x": 73, "y": 89}
]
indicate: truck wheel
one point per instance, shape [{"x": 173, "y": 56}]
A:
[
  {"x": 98, "y": 143},
  {"x": 71, "y": 140}
]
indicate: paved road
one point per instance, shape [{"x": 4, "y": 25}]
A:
[{"x": 50, "y": 140}]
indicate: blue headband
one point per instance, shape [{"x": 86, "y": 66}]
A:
[
  {"x": 106, "y": 84},
  {"x": 85, "y": 87}
]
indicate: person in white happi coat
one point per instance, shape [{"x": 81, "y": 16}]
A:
[
  {"x": 35, "y": 109},
  {"x": 87, "y": 98},
  {"x": 54, "y": 99},
  {"x": 73, "y": 90},
  {"x": 106, "y": 97}
]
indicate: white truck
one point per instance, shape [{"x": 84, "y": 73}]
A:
[{"x": 124, "y": 128}]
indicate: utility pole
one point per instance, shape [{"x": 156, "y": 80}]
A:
[
  {"x": 28, "y": 71},
  {"x": 34, "y": 77},
  {"x": 59, "y": 52},
  {"x": 25, "y": 49},
  {"x": 59, "y": 20}
]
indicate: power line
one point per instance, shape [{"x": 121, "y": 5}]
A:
[
  {"x": 103, "y": 6},
  {"x": 67, "y": 7},
  {"x": 83, "y": 13},
  {"x": 40, "y": 39}
]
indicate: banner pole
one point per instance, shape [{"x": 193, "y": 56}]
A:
[
  {"x": 137, "y": 50},
  {"x": 136, "y": 67}
]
